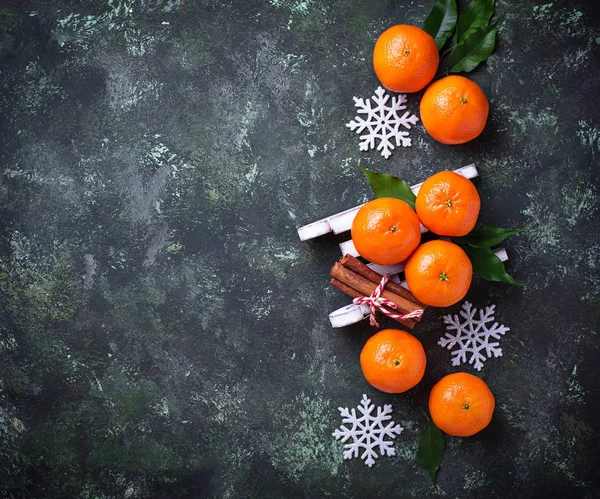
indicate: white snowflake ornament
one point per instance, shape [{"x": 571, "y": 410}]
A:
[
  {"x": 473, "y": 336},
  {"x": 383, "y": 122},
  {"x": 367, "y": 431}
]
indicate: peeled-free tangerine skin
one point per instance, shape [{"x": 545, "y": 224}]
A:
[
  {"x": 448, "y": 204},
  {"x": 386, "y": 231},
  {"x": 461, "y": 404}
]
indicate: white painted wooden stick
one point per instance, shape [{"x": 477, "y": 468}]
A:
[
  {"x": 342, "y": 222},
  {"x": 351, "y": 314},
  {"x": 315, "y": 229},
  {"x": 348, "y": 248}
]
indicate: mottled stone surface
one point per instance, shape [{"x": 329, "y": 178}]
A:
[{"x": 164, "y": 332}]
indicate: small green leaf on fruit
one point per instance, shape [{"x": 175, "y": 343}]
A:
[
  {"x": 431, "y": 449},
  {"x": 487, "y": 265},
  {"x": 477, "y": 15},
  {"x": 474, "y": 50},
  {"x": 388, "y": 186},
  {"x": 486, "y": 235},
  {"x": 441, "y": 21}
]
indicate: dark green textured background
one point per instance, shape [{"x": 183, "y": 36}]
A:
[{"x": 164, "y": 333}]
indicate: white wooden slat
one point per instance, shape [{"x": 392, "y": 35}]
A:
[
  {"x": 342, "y": 222},
  {"x": 350, "y": 314},
  {"x": 315, "y": 229},
  {"x": 348, "y": 248}
]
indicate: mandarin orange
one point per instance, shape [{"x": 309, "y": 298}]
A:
[
  {"x": 454, "y": 110},
  {"x": 393, "y": 361},
  {"x": 461, "y": 404},
  {"x": 439, "y": 273},
  {"x": 386, "y": 231},
  {"x": 405, "y": 58},
  {"x": 448, "y": 204}
]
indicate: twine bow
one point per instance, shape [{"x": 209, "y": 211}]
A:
[{"x": 377, "y": 302}]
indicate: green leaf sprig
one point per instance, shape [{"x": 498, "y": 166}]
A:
[
  {"x": 388, "y": 186},
  {"x": 477, "y": 244},
  {"x": 431, "y": 449},
  {"x": 475, "y": 36},
  {"x": 487, "y": 265},
  {"x": 485, "y": 235},
  {"x": 441, "y": 21}
]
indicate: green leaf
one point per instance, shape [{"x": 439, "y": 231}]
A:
[
  {"x": 487, "y": 265},
  {"x": 388, "y": 186},
  {"x": 477, "y": 15},
  {"x": 431, "y": 449},
  {"x": 476, "y": 48},
  {"x": 441, "y": 21},
  {"x": 486, "y": 235}
]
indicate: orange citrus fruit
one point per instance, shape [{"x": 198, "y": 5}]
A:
[
  {"x": 405, "y": 58},
  {"x": 461, "y": 404},
  {"x": 439, "y": 273},
  {"x": 448, "y": 204},
  {"x": 454, "y": 110},
  {"x": 386, "y": 231},
  {"x": 393, "y": 361}
]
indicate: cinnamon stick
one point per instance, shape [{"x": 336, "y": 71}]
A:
[
  {"x": 344, "y": 288},
  {"x": 365, "y": 287},
  {"x": 368, "y": 273}
]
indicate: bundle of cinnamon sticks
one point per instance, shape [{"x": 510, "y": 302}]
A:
[{"x": 354, "y": 278}]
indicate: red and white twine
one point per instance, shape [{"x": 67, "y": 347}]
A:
[{"x": 376, "y": 302}]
